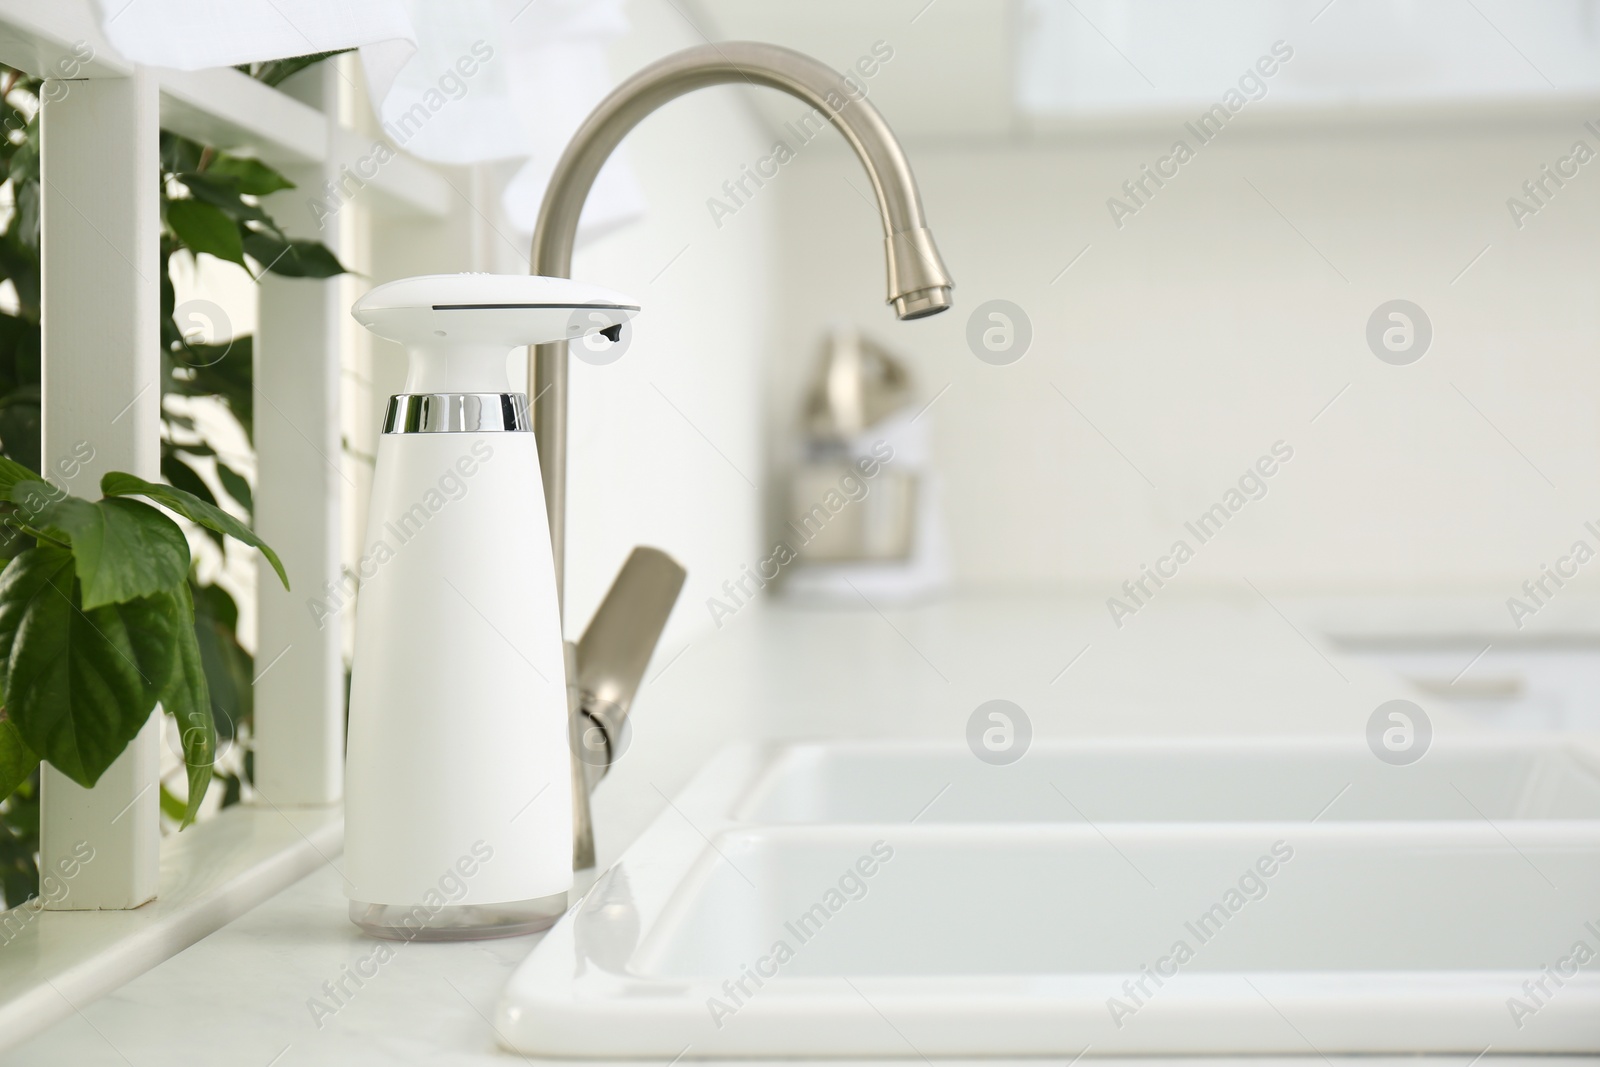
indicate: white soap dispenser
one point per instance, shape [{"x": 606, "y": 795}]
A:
[{"x": 458, "y": 809}]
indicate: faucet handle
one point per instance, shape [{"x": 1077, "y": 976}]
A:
[
  {"x": 606, "y": 667},
  {"x": 616, "y": 648}
]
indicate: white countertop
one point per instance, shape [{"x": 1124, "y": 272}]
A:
[{"x": 1186, "y": 665}]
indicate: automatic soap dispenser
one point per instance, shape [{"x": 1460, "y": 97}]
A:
[{"x": 458, "y": 811}]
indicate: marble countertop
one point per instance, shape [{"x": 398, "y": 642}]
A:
[{"x": 1234, "y": 663}]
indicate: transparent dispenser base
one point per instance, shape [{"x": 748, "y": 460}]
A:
[{"x": 458, "y": 922}]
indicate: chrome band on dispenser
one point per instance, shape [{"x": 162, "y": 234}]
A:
[{"x": 458, "y": 413}]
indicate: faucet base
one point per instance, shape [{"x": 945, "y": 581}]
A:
[{"x": 458, "y": 922}]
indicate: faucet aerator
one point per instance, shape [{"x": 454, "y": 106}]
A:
[{"x": 922, "y": 303}]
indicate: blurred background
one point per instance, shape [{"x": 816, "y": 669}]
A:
[
  {"x": 1373, "y": 254},
  {"x": 1171, "y": 347}
]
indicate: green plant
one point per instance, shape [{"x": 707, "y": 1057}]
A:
[
  {"x": 274, "y": 71},
  {"x": 209, "y": 204},
  {"x": 97, "y": 624}
]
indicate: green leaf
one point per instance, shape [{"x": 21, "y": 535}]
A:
[
  {"x": 179, "y": 153},
  {"x": 25, "y": 223},
  {"x": 17, "y": 760},
  {"x": 170, "y": 334},
  {"x": 274, "y": 71},
  {"x": 251, "y": 176},
  {"x": 20, "y": 351},
  {"x": 224, "y": 195},
  {"x": 20, "y": 264},
  {"x": 229, "y": 379},
  {"x": 180, "y": 475},
  {"x": 204, "y": 228},
  {"x": 25, "y": 160},
  {"x": 79, "y": 684},
  {"x": 20, "y": 424},
  {"x": 173, "y": 808},
  {"x": 291, "y": 259},
  {"x": 118, "y": 483},
  {"x": 195, "y": 355},
  {"x": 190, "y": 448},
  {"x": 12, "y": 472},
  {"x": 229, "y": 668},
  {"x": 236, "y": 486},
  {"x": 124, "y": 549},
  {"x": 19, "y": 843},
  {"x": 187, "y": 699},
  {"x": 13, "y": 542}
]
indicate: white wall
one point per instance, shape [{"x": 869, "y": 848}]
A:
[{"x": 1207, "y": 328}]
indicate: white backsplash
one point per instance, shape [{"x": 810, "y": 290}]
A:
[{"x": 1221, "y": 318}]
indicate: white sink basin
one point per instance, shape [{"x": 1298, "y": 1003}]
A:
[
  {"x": 1183, "y": 902},
  {"x": 1192, "y": 780}
]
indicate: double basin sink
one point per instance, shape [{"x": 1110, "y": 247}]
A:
[{"x": 1297, "y": 897}]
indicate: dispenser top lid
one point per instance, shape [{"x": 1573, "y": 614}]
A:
[{"x": 509, "y": 309}]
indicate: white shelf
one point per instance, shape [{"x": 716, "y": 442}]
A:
[
  {"x": 211, "y": 874},
  {"x": 220, "y": 106},
  {"x": 404, "y": 186},
  {"x": 230, "y": 110}
]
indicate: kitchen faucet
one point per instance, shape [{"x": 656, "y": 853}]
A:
[{"x": 605, "y": 667}]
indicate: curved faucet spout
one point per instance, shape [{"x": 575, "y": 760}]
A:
[{"x": 919, "y": 285}]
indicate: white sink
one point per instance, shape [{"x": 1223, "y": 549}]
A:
[
  {"x": 1008, "y": 920},
  {"x": 1188, "y": 780}
]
